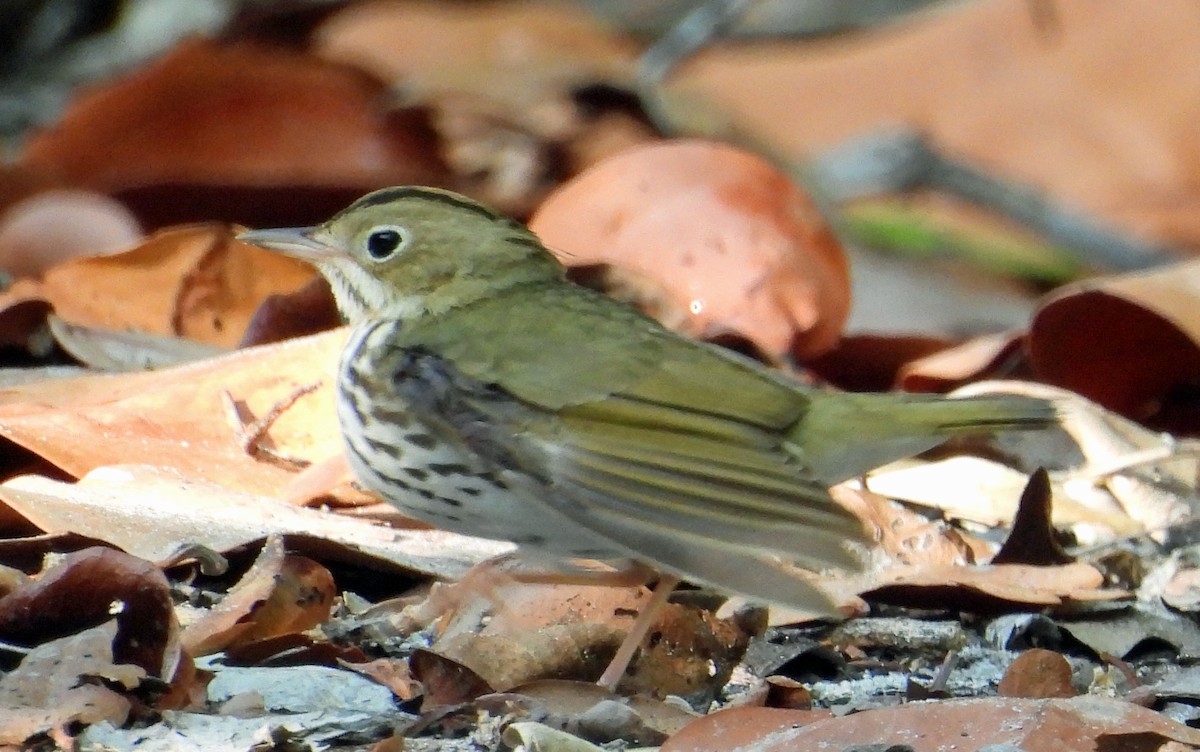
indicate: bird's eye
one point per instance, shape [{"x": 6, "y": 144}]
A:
[{"x": 385, "y": 242}]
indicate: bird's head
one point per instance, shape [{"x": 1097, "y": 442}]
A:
[{"x": 407, "y": 251}]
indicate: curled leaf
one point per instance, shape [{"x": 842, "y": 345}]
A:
[{"x": 1130, "y": 343}]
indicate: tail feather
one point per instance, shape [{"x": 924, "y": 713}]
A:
[{"x": 845, "y": 435}]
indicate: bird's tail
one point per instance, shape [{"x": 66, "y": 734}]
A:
[{"x": 846, "y": 434}]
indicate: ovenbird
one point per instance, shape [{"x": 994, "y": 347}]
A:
[{"x": 482, "y": 392}]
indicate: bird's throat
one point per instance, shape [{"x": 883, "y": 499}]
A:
[{"x": 361, "y": 296}]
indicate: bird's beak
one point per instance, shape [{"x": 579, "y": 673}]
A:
[{"x": 296, "y": 242}]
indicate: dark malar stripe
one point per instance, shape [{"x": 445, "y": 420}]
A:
[{"x": 345, "y": 288}]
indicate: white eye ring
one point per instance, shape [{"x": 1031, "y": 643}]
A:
[{"x": 386, "y": 241}]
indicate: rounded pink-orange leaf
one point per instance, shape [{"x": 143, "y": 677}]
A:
[{"x": 730, "y": 243}]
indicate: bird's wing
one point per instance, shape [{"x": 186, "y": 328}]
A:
[
  {"x": 645, "y": 434},
  {"x": 700, "y": 497},
  {"x": 692, "y": 476},
  {"x": 560, "y": 345}
]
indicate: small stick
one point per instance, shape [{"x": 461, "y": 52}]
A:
[{"x": 250, "y": 434}]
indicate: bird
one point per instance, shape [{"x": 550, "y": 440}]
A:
[{"x": 482, "y": 392}]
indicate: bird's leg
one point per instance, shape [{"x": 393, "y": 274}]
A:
[
  {"x": 637, "y": 633},
  {"x": 619, "y": 574}
]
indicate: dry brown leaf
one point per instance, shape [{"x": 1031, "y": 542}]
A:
[
  {"x": 46, "y": 692},
  {"x": 302, "y": 597},
  {"x": 195, "y": 282},
  {"x": 784, "y": 692},
  {"x": 1081, "y": 724},
  {"x": 1077, "y": 109},
  {"x": 1127, "y": 471},
  {"x": 986, "y": 492},
  {"x": 88, "y": 588},
  {"x": 902, "y": 536},
  {"x": 493, "y": 598},
  {"x": 409, "y": 40},
  {"x": 321, "y": 479},
  {"x": 111, "y": 350},
  {"x": 293, "y": 649},
  {"x": 444, "y": 681},
  {"x": 1129, "y": 342},
  {"x": 1037, "y": 673},
  {"x": 739, "y": 729},
  {"x": 152, "y": 512},
  {"x": 572, "y": 699},
  {"x": 308, "y": 310},
  {"x": 977, "y": 358},
  {"x": 391, "y": 673},
  {"x": 1031, "y": 539},
  {"x": 176, "y": 418},
  {"x": 532, "y": 631},
  {"x": 577, "y": 650},
  {"x": 731, "y": 246},
  {"x": 987, "y": 589},
  {"x": 207, "y": 130},
  {"x": 922, "y": 564},
  {"x": 226, "y": 622},
  {"x": 279, "y": 594}
]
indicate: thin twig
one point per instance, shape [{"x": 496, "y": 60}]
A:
[{"x": 251, "y": 432}]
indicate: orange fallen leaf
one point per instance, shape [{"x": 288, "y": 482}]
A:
[
  {"x": 502, "y": 661},
  {"x": 739, "y": 729},
  {"x": 195, "y": 282},
  {"x": 534, "y": 628},
  {"x": 391, "y": 673},
  {"x": 206, "y": 131},
  {"x": 445, "y": 681},
  {"x": 1003, "y": 587},
  {"x": 1037, "y": 673},
  {"x": 1111, "y": 123},
  {"x": 408, "y": 41},
  {"x": 732, "y": 247},
  {"x": 1080, "y": 724},
  {"x": 175, "y": 418},
  {"x": 302, "y": 597}
]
